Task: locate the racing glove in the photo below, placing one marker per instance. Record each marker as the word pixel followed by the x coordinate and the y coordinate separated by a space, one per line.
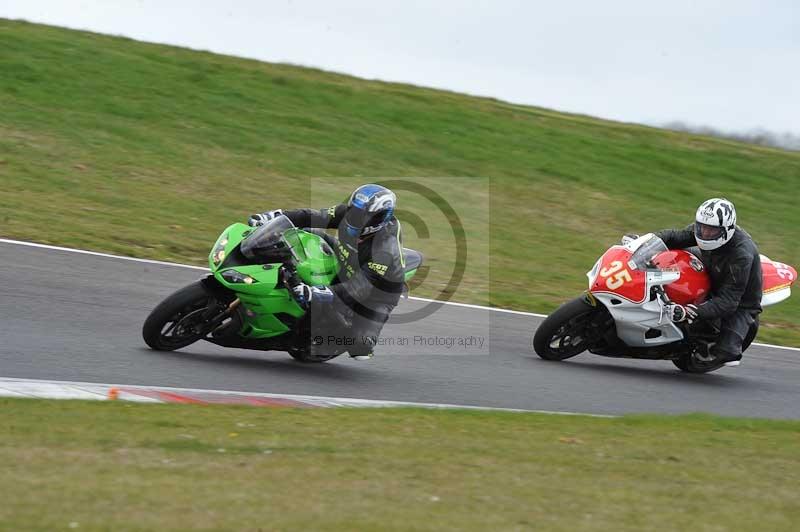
pixel 263 217
pixel 678 313
pixel 629 237
pixel 304 294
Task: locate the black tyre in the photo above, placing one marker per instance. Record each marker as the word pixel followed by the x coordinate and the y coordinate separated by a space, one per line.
pixel 567 331
pixel 688 364
pixel 681 364
pixel 305 356
pixel 178 320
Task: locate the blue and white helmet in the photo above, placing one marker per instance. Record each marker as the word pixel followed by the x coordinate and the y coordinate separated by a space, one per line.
pixel 715 223
pixel 369 209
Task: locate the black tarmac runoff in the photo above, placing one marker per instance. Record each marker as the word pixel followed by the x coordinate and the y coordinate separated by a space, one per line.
pixel 77 317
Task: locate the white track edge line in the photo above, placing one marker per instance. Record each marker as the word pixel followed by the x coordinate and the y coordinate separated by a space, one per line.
pixel 98 254
pixel 353 400
pixel 479 307
pixel 164 263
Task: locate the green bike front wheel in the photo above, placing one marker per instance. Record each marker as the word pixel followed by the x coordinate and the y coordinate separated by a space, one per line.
pixel 179 320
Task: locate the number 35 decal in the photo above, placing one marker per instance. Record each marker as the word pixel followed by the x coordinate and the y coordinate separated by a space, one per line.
pixel 614 277
pixel 783 271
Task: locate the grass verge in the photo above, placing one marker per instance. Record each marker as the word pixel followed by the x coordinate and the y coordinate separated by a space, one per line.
pixel 149 150
pixel 124 466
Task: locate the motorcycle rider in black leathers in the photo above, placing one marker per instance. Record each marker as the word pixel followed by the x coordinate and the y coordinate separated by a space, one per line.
pixel 371 274
pixel 734 265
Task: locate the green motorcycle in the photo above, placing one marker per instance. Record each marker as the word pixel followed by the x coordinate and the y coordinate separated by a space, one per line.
pixel 245 303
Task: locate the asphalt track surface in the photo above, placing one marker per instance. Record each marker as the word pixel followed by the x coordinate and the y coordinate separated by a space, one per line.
pixel 77 317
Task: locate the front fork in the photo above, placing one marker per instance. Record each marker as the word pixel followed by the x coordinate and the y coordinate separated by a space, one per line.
pixel 597 326
pixel 226 303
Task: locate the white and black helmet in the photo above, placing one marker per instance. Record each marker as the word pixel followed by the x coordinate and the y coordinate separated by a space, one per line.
pixel 370 209
pixel 715 223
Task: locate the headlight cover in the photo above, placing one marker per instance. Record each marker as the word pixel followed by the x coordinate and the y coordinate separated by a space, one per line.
pixel 592 274
pixel 218 255
pixel 233 276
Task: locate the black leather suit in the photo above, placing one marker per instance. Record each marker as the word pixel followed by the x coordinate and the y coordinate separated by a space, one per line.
pixel 735 271
pixel 370 280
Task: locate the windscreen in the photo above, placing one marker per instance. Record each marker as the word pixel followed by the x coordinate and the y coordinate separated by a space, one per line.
pixel 642 258
pixel 268 240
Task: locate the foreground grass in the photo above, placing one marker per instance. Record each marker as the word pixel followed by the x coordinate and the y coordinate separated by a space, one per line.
pixel 123 466
pixel 149 150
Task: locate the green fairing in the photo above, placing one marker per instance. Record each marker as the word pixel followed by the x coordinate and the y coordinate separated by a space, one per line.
pixel 261 300
pixel 318 268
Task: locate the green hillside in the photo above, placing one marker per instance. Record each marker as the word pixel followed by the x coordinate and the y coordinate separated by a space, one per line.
pixel 148 150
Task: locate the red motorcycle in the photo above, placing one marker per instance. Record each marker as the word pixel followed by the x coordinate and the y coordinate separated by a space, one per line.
pixel 623 313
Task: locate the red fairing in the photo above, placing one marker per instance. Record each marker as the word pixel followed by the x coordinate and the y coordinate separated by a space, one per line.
pixel 616 277
pixel 694 284
pixel 776 275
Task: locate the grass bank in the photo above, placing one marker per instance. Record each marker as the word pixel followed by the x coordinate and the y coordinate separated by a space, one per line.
pixel 124 466
pixel 121 146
